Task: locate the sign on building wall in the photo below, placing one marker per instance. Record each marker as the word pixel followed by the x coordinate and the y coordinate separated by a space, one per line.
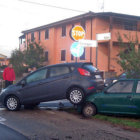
pixel 77 32
pixel 87 43
pixel 103 36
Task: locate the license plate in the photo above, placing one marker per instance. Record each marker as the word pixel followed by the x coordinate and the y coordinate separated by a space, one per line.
pixel 97 76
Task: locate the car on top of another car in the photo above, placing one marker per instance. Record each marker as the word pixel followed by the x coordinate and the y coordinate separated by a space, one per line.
pixel 72 81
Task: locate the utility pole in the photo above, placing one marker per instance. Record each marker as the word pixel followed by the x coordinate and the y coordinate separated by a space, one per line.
pixel 101 5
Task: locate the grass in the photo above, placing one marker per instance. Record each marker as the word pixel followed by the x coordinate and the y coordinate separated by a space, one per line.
pixel 125 121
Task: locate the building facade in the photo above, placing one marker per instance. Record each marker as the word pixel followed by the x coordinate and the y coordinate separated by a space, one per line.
pixel 4 61
pixel 56 40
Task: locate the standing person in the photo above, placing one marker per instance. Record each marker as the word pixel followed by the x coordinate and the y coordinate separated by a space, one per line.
pixel 9 75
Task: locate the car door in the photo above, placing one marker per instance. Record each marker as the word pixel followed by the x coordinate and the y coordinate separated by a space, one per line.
pixel 136 98
pixel 59 79
pixel 118 97
pixel 36 87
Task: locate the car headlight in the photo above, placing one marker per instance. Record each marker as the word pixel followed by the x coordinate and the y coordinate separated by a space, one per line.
pixel 115 81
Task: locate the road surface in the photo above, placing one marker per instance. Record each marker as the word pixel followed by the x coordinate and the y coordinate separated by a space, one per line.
pixel 45 124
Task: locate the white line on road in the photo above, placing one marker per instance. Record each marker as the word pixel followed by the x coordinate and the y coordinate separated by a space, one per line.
pixel 1 109
pixel 2 120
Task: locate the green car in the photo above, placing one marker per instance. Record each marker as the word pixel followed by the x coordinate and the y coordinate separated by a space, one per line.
pixel 121 97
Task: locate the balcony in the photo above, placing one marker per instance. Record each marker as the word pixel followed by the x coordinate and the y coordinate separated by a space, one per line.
pixel 123 32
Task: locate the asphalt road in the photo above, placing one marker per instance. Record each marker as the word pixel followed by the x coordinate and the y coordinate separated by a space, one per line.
pixel 45 124
pixel 7 133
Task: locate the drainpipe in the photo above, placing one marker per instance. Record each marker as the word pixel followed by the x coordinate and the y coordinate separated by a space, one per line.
pixel 110 43
pixel 91 39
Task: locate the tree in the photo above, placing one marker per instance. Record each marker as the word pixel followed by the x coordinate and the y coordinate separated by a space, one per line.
pixel 129 56
pixel 34 55
pixel 17 59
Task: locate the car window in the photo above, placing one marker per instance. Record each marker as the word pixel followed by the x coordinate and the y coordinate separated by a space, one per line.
pixel 57 71
pixel 121 87
pixel 39 75
pixel 90 68
pixel 138 87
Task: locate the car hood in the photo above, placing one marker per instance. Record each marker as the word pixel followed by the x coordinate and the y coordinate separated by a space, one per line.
pixel 11 88
pixel 92 96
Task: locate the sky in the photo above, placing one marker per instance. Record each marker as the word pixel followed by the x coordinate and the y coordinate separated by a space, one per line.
pixel 19 15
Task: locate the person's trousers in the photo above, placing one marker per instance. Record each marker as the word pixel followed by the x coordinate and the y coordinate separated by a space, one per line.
pixel 8 83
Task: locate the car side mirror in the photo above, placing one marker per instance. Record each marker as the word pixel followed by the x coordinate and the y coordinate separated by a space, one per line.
pixel 23 83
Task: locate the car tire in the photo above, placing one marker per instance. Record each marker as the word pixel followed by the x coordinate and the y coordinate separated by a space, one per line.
pixel 89 110
pixel 76 96
pixel 12 103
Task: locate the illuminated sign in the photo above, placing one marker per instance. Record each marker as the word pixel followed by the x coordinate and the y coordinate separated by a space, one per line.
pixel 76 50
pixel 77 33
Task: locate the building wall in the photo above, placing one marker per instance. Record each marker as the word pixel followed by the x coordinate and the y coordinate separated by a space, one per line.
pixel 4 62
pixel 107 53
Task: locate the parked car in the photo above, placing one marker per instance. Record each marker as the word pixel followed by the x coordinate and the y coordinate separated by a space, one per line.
pixel 69 80
pixel 109 81
pixel 122 97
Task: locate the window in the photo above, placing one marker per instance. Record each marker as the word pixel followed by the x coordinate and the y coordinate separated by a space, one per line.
pixel 57 71
pixel 121 87
pixel 32 36
pixel 39 75
pixel 126 24
pixel 118 23
pixel 63 55
pixel 83 56
pixel 46 56
pixel 47 34
pixel 39 34
pixel 83 24
pixel 72 57
pixel 138 87
pixel 130 25
pixel 64 30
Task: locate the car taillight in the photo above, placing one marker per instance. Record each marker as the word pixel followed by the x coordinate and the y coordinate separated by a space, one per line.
pixel 83 72
pixel 91 87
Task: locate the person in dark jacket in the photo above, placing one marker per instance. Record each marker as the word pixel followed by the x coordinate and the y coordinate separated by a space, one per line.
pixel 9 75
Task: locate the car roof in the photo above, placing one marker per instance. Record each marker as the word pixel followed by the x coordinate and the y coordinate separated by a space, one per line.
pixel 78 64
pixel 128 79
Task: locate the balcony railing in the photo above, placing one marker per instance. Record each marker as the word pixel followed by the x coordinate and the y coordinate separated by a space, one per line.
pixel 132 34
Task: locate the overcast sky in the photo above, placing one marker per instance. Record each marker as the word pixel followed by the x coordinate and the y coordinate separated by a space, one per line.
pixel 18 15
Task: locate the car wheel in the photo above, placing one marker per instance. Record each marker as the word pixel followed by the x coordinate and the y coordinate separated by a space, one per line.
pixel 12 103
pixel 76 96
pixel 89 110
